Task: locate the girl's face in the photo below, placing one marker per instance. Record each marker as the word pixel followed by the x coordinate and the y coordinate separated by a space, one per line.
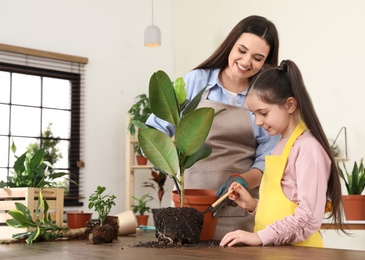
pixel 273 118
pixel 247 56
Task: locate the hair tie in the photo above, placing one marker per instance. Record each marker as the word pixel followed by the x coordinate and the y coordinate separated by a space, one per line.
pixel 283 66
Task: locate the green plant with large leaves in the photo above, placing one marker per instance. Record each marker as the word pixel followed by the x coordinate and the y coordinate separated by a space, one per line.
pixel 31 170
pixel 42 228
pixel 354 180
pixel 192 124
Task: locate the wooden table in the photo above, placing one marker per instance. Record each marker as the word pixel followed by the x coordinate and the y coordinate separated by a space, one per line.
pixel 122 249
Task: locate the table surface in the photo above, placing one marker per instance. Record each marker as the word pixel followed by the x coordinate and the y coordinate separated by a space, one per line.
pixel 123 248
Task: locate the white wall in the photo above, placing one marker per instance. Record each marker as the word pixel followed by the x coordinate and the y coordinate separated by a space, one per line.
pixel 111 34
pixel 325 38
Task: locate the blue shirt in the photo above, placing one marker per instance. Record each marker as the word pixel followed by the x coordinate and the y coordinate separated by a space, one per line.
pixel 195 81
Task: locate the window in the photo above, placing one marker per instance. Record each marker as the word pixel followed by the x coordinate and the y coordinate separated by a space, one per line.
pixel 36 94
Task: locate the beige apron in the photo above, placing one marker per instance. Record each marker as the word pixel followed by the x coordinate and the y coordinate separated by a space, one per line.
pixel 273 204
pixel 234 146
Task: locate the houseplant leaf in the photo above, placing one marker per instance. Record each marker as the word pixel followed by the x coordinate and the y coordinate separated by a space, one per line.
pixel 193 130
pixel 160 150
pixel 163 99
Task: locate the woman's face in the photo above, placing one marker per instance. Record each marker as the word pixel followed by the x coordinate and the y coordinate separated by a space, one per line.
pixel 247 56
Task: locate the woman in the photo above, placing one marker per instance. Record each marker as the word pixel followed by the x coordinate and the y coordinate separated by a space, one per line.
pixel 238 145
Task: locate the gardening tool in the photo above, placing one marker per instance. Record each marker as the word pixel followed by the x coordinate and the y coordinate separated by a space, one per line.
pixel 218 201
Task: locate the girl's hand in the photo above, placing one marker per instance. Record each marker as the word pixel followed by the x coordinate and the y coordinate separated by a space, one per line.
pixel 241 196
pixel 240 237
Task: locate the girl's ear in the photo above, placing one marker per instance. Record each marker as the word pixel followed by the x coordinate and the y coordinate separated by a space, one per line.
pixel 291 104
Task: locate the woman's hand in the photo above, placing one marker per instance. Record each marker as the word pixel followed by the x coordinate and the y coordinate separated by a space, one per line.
pixel 240 237
pixel 241 196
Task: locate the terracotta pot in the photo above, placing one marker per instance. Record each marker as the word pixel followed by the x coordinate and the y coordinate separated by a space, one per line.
pixel 78 219
pixel 200 200
pixel 141 160
pixel 354 207
pixel 142 220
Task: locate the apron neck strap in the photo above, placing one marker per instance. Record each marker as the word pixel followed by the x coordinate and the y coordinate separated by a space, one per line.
pixel 298 131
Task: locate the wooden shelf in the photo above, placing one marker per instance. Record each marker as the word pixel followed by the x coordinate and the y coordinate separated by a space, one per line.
pixel 131 167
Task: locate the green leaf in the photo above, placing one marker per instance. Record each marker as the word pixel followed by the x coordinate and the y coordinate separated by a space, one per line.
pixel 163 99
pixel 193 130
pixel 192 105
pixel 21 218
pixel 33 236
pixel 37 159
pixel 19 164
pixel 202 153
pixel 180 91
pixel 160 150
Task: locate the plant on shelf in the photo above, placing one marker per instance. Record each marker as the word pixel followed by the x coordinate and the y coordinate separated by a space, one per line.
pixel 354 180
pixel 140 111
pixel 141 160
pixel 141 208
pixel 168 102
pixel 159 179
pixel 354 202
pixel 41 228
pixel 102 203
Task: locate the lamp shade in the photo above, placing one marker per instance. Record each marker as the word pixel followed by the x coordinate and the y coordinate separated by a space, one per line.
pixel 152 36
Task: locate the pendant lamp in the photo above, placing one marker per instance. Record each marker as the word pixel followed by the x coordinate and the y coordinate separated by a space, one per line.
pixel 152 35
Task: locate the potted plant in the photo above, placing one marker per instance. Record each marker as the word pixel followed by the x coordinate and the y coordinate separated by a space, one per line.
pixel 139 111
pixel 173 156
pixel 141 208
pixel 354 202
pixel 159 179
pixel 102 203
pixel 141 160
pixel 31 174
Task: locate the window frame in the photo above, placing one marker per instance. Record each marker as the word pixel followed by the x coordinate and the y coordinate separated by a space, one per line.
pixel 55 65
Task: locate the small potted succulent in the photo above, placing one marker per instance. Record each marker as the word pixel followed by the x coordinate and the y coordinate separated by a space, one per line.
pixel 354 202
pixel 141 208
pixel 102 203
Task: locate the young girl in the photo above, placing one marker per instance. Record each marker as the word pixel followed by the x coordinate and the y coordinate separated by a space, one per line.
pixel 300 175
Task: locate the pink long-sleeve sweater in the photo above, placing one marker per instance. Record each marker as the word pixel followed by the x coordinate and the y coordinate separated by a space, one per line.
pixel 305 183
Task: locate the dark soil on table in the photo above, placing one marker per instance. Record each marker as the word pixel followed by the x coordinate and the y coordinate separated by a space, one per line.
pixel 156 244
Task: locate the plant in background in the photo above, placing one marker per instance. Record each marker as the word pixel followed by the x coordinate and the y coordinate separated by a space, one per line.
pixel 42 227
pixel 140 111
pixel 31 170
pixel 142 207
pixel 168 102
pixel 101 203
pixel 159 179
pixel 354 180
pixel 49 144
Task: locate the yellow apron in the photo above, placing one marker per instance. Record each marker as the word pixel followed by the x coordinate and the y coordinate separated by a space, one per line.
pixel 273 204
